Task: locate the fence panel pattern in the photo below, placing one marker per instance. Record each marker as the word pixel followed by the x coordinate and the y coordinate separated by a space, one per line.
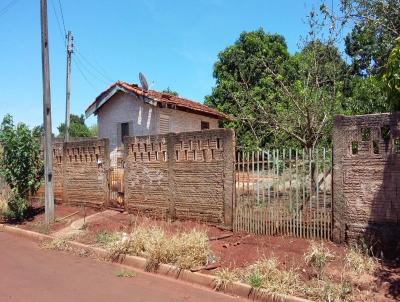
pixel 284 192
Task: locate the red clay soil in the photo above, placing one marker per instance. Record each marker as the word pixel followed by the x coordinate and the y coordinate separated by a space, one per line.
pixel 240 250
pixel 35 221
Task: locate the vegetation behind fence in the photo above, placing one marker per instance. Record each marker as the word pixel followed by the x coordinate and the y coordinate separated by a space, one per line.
pixel 284 192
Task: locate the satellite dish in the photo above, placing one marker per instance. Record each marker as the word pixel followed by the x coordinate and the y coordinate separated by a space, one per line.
pixel 143 81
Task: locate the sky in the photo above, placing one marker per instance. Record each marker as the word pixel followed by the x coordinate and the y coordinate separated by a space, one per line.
pixel 173 42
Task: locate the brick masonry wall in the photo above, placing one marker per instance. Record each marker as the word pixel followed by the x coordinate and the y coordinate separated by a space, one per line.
pixel 366 179
pixel 79 172
pixel 187 175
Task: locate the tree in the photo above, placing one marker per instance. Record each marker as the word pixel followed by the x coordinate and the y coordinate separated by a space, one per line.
pixel 312 95
pixel 391 76
pixel 376 27
pixel 20 165
pixel 243 80
pixel 77 127
pixel 170 91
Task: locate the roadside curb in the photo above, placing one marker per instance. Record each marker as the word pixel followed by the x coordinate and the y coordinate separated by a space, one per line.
pixel 134 262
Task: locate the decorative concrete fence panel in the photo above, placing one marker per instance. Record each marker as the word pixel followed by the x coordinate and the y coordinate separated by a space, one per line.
pixel 366 179
pixel 188 175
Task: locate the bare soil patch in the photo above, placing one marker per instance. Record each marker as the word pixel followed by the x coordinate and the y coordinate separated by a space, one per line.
pixel 35 220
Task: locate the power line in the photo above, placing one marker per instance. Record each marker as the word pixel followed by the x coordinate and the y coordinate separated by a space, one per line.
pixel 89 71
pixel 7 7
pixel 83 75
pixel 97 69
pixel 63 37
pixel 62 16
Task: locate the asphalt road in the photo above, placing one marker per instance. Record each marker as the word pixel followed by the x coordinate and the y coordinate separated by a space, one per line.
pixel 30 273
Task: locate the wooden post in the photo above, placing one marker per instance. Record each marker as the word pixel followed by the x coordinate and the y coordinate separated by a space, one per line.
pixel 48 155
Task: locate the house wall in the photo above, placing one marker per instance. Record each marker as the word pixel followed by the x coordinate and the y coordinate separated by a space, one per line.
pixel 366 183
pixel 189 175
pixel 143 118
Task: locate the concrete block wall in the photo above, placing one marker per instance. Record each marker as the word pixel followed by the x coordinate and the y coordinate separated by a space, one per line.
pixel 84 167
pixel 187 175
pixel 366 180
pixel 80 172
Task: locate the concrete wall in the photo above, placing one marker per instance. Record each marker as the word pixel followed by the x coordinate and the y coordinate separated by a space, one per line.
pixel 143 118
pixel 186 175
pixel 80 172
pixel 366 179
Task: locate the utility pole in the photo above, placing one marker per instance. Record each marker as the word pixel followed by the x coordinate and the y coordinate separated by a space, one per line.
pixel 48 154
pixel 68 86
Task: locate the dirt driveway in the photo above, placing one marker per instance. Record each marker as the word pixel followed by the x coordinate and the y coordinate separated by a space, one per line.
pixel 29 273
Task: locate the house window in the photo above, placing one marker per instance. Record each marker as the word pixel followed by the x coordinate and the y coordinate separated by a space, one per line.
pixel 124 130
pixel 205 125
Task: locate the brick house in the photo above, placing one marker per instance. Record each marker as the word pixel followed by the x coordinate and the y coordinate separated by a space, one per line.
pixel 128 110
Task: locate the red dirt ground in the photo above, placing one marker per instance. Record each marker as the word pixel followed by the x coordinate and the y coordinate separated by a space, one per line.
pixel 240 249
pixel 35 221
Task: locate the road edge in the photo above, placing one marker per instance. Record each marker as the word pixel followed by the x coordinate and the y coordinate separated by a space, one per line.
pixel 135 262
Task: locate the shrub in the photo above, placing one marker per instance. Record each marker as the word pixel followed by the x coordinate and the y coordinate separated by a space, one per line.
pixel 20 165
pixel 16 208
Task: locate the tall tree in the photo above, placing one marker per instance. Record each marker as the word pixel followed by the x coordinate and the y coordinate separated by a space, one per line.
pixel 376 27
pixel 77 128
pixel 391 76
pixel 243 81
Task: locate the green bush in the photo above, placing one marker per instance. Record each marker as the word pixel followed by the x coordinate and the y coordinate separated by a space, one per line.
pixel 16 208
pixel 20 165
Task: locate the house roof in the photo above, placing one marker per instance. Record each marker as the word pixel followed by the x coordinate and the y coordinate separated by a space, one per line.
pixel 155 98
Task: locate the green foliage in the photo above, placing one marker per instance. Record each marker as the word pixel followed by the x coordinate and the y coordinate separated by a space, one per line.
pixel 16 208
pixel 20 164
pixel 243 80
pixel 170 91
pixel 255 280
pixel 77 127
pixel 376 26
pixel 391 76
pixel 365 96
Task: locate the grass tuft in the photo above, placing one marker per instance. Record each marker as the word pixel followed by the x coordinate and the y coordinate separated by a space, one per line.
pixel 186 250
pixel 358 261
pixel 317 256
pixel 125 274
pixel 224 277
pixel 273 280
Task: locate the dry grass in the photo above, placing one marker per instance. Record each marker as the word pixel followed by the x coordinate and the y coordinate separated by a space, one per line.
pixel 266 274
pixel 359 262
pixel 185 250
pixel 58 243
pixel 224 277
pixel 327 291
pixel 316 256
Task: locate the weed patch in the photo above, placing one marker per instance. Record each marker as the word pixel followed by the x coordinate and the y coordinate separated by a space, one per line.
pixel 125 274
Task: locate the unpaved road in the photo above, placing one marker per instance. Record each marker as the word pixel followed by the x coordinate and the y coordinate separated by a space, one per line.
pixel 29 273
